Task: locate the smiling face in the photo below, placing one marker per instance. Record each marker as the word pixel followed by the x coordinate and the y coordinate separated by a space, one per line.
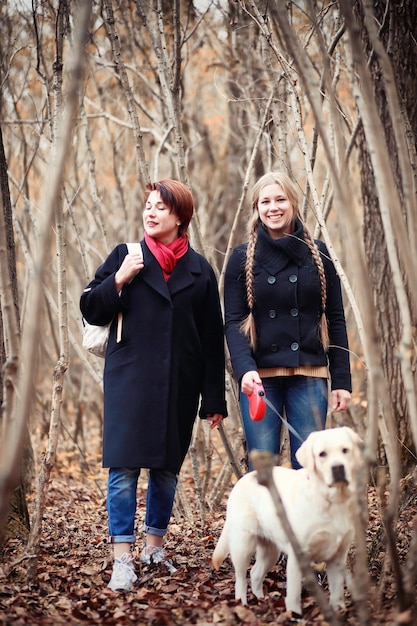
pixel 159 221
pixel 276 211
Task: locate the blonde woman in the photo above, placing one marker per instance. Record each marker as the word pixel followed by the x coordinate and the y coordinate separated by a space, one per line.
pixel 284 320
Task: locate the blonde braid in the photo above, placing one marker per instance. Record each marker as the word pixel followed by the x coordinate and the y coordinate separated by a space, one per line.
pixel 324 331
pixel 247 326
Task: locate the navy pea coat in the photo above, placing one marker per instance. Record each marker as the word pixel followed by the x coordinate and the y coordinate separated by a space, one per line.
pixel 287 309
pixel 169 361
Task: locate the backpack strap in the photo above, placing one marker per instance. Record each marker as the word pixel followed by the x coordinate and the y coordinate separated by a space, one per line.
pixel 132 248
pixel 135 247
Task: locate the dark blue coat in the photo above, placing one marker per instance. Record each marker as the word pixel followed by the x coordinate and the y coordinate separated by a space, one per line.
pixel 171 353
pixel 287 309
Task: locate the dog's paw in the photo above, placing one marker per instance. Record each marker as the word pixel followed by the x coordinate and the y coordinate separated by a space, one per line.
pixel 242 599
pixel 258 592
pixel 338 606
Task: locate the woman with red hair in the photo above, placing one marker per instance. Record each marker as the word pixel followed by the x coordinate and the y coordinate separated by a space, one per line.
pixel 164 364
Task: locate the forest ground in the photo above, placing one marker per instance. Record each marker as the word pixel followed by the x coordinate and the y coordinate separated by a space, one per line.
pixel 75 566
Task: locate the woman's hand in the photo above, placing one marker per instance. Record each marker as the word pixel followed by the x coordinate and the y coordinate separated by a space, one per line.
pixel 132 264
pixel 248 382
pixel 215 419
pixel 340 400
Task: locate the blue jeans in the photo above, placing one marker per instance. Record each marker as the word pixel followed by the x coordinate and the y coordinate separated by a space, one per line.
pixel 304 400
pixel 121 502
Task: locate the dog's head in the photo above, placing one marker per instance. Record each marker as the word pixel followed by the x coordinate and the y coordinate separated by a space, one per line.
pixel 332 455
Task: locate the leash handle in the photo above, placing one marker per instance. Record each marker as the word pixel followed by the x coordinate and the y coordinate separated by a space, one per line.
pixel 257 406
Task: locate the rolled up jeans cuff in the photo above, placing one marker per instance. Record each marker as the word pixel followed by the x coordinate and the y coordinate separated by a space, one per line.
pixel 122 539
pixel 159 532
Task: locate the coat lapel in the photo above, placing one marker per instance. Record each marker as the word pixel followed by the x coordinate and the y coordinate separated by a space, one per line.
pixel 184 273
pixel 153 275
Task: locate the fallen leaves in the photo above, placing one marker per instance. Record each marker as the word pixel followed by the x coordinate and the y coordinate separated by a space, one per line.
pixel 75 566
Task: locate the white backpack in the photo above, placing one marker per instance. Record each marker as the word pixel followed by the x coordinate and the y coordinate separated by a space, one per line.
pixel 95 338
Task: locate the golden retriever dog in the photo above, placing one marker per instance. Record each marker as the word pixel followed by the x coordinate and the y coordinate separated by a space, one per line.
pixel 318 503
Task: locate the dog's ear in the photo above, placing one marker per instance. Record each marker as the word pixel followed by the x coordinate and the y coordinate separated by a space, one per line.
pixel 354 436
pixel 357 444
pixel 304 454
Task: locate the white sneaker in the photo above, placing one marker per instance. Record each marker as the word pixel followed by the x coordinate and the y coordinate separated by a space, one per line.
pixel 123 575
pixel 156 554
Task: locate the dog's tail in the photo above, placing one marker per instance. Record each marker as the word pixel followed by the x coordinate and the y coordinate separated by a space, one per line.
pixel 221 550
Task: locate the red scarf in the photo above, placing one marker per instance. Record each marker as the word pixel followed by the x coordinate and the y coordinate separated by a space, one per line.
pixel 167 256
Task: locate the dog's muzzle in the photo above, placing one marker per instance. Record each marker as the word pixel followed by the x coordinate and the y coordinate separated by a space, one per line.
pixel 339 474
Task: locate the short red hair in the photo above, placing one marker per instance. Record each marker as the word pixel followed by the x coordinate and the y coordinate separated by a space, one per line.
pixel 177 197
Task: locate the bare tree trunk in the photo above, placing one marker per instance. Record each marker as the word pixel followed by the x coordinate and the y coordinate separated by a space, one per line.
pixel 60 147
pixel 18 516
pixel 392 62
pixel 397 32
pixel 121 72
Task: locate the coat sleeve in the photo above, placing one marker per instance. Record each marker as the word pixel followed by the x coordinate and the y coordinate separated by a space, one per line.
pixel 236 309
pixel 213 393
pixel 338 354
pixel 100 301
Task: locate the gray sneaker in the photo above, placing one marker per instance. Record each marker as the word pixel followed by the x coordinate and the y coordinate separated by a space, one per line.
pixel 154 555
pixel 123 575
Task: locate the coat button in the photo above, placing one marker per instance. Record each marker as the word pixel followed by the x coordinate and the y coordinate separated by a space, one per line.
pixel 274 347
pixel 272 314
pixel 293 278
pixel 271 280
pixel 294 346
pixel 294 312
